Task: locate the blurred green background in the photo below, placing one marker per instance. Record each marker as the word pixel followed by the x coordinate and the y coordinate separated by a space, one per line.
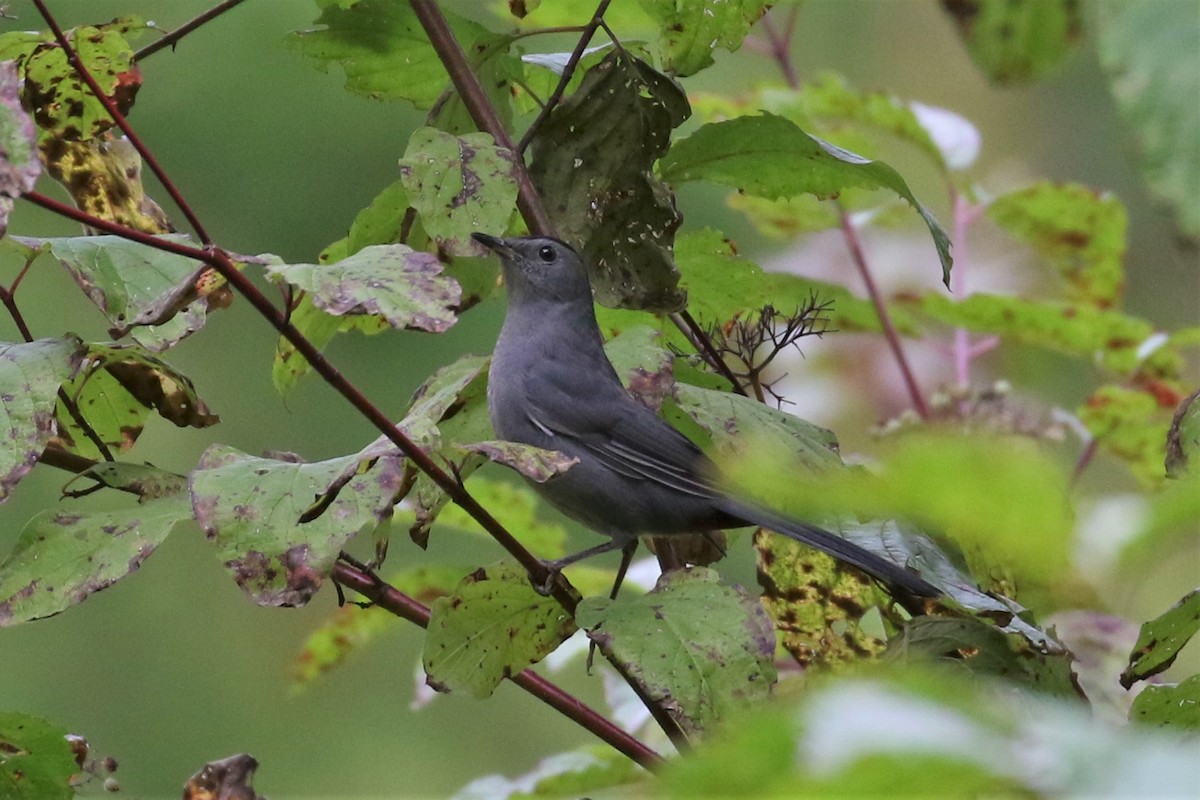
pixel 173 667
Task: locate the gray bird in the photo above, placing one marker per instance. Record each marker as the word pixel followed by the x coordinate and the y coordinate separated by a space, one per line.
pixel 551 385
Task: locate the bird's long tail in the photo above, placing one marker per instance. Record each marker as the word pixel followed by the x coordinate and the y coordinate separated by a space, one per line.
pixel 878 567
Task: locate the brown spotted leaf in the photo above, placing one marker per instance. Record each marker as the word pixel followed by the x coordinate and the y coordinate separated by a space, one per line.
pixel 1160 639
pixel 63 557
pixel 490 628
pixel 459 185
pixel 116 390
pixel 252 508
pixel 532 462
pixel 405 287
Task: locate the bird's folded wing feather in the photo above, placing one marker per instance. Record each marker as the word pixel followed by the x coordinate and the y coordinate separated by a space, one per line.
pixel 630 439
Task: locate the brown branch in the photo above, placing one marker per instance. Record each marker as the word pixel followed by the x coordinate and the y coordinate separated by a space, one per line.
pixel 172 38
pixel 389 598
pixel 122 123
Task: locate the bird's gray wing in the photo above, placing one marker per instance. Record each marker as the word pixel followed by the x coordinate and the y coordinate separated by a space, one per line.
pixel 630 439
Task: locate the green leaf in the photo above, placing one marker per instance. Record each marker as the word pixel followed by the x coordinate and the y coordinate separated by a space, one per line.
pixel 721 285
pixel 127 281
pixel 1175 707
pixel 532 462
pixel 691 29
pixel 61 557
pixel 736 423
pixel 380 222
pixel 1151 52
pixel 1018 42
pixel 699 648
pixel 516 506
pixel 1080 233
pixel 931 733
pixel 492 627
pixel 146 481
pixel 402 286
pixel 770 156
pixel 818 606
pixel 459 185
pixel 115 391
pixel 1077 329
pixel 1161 639
pixel 383 49
pixel 38 761
pixel 252 508
pixel 1183 438
pixel 30 376
pixel 592 163
pixel 983 650
pixel 19 163
pixel 1129 423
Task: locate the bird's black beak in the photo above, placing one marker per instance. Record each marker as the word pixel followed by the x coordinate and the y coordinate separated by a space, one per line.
pixel 493 243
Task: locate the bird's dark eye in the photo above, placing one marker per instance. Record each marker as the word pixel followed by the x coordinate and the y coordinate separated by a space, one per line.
pixel 546 253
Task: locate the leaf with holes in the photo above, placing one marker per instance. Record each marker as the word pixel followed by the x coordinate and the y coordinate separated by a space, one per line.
pixel 1161 639
pixel 592 161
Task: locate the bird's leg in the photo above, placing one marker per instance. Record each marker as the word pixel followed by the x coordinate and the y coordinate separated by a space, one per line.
pixel 626 558
pixel 556 567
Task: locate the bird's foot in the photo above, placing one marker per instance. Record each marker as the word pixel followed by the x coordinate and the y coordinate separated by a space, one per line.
pixel 546 588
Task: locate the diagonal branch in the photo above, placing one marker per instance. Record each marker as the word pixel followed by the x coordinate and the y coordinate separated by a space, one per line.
pixel 220 261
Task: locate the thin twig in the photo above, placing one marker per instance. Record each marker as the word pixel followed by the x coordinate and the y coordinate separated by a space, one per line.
pixel 221 262
pixel 857 254
pixel 585 38
pixel 172 38
pixel 122 123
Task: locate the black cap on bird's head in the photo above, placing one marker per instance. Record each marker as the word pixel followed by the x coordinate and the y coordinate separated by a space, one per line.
pixel 539 267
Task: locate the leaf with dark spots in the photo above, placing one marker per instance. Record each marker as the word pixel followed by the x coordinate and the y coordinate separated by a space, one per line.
pixel 592 163
pixel 62 104
pixel 699 648
pixel 404 287
pixel 252 509
pixel 37 759
pixel 690 31
pixel 493 626
pixel 27 421
pixel 61 558
pixel 459 185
